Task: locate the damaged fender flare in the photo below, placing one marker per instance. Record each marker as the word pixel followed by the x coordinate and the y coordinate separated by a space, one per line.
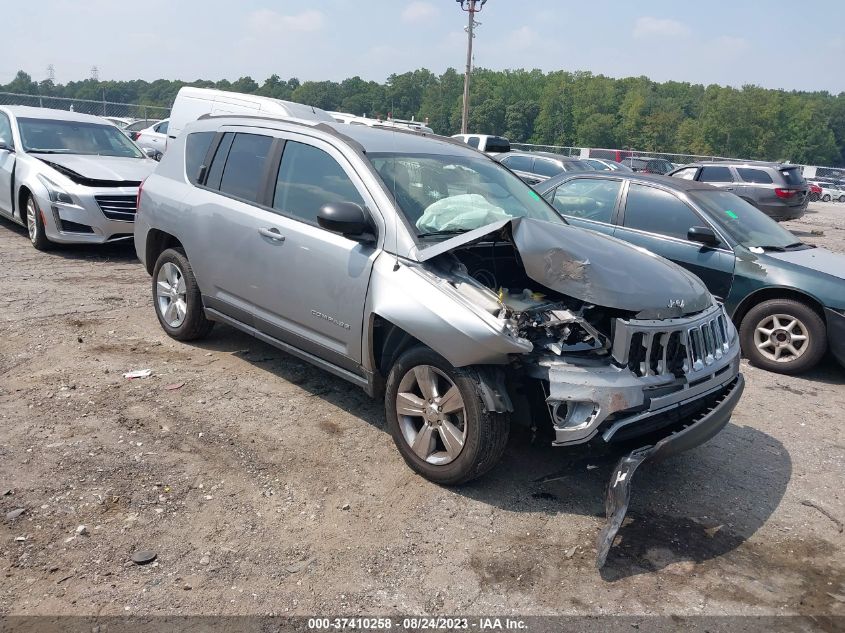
pixel 493 391
pixel 619 487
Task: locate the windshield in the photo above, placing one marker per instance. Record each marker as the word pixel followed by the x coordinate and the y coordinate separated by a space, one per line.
pixel 74 137
pixel 744 222
pixel 440 193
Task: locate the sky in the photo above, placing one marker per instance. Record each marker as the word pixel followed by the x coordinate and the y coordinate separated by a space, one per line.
pixel 771 43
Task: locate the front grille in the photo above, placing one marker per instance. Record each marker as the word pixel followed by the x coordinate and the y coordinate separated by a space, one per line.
pixel 672 347
pixel 118 207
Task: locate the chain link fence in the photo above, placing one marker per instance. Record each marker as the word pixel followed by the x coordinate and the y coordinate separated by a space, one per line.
pixel 676 159
pixel 131 111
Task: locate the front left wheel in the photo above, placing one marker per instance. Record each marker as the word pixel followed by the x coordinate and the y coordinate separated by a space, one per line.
pixel 177 298
pixel 438 420
pixel 35 226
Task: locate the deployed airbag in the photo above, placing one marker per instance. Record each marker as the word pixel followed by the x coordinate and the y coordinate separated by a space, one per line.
pixel 459 212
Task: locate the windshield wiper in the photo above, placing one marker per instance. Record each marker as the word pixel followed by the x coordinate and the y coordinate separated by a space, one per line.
pixel 444 232
pixel 788 247
pixel 48 151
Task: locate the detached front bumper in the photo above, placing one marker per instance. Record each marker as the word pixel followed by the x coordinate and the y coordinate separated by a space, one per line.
pixel 664 372
pixel 698 430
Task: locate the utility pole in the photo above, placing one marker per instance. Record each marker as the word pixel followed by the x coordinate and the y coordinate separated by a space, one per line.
pixel 471 7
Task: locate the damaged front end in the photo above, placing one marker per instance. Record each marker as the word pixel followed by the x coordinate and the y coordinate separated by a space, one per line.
pixel 622 344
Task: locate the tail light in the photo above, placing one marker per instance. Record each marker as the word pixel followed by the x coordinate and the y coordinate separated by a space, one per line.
pixel 138 199
pixel 785 193
pixel 135 135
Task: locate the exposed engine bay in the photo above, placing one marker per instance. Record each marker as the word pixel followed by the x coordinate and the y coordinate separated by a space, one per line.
pixel 491 275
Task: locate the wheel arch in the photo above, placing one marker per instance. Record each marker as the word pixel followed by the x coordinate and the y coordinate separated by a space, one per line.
pixel 388 342
pixel 766 294
pixel 157 242
pixel 24 192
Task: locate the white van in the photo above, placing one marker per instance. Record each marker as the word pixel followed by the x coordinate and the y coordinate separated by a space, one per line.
pixel 192 103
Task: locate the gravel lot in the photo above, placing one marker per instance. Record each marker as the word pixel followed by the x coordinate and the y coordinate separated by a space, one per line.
pixel 266 486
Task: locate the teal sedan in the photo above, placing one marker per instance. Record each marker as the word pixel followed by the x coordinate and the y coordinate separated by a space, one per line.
pixel 787 298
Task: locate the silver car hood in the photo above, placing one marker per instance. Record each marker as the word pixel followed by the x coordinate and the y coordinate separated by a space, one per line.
pixel 593 268
pixel 84 169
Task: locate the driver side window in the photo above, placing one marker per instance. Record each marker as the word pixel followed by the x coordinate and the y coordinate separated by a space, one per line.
pixel 588 198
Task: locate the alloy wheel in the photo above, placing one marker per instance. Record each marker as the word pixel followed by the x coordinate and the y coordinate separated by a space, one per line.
pixel 171 294
pixel 781 338
pixel 31 220
pixel 431 414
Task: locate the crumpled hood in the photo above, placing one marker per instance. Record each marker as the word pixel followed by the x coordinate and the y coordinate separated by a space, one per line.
pixel 113 169
pixel 594 268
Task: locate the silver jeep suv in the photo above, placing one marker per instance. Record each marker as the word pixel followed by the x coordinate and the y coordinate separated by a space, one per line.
pixel 426 273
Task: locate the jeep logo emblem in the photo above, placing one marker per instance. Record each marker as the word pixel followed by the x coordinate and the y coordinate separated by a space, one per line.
pixel 676 303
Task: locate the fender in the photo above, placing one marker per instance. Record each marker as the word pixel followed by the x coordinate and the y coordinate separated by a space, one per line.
pixel 415 301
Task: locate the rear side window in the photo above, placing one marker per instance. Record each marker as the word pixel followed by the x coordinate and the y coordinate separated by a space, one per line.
pixel 473 141
pixel 519 163
pixel 657 211
pixel 792 176
pixel 497 144
pixel 245 166
pixel 588 198
pixel 754 175
pixel 715 174
pixel 546 167
pixel 309 178
pixel 686 174
pixel 219 161
pixel 161 128
pixel 196 147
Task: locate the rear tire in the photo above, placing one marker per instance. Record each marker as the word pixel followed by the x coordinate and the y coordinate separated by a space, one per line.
pixel 177 298
pixel 784 336
pixel 842 198
pixel 35 225
pixel 424 440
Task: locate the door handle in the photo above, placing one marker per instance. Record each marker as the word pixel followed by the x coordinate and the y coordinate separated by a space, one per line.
pixel 729 188
pixel 273 234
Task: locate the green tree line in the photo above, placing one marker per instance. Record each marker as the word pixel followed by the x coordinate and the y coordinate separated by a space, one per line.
pixel 556 108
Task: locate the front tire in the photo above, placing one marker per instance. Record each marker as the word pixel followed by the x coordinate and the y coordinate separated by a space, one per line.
pixel 842 198
pixel 438 421
pixel 177 298
pixel 826 197
pixel 35 226
pixel 784 336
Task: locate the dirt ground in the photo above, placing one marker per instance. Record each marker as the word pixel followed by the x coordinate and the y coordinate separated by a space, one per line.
pixel 265 486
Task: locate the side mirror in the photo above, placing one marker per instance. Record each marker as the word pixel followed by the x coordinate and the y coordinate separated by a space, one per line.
pixel 153 153
pixel 4 146
pixel 703 235
pixel 346 218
